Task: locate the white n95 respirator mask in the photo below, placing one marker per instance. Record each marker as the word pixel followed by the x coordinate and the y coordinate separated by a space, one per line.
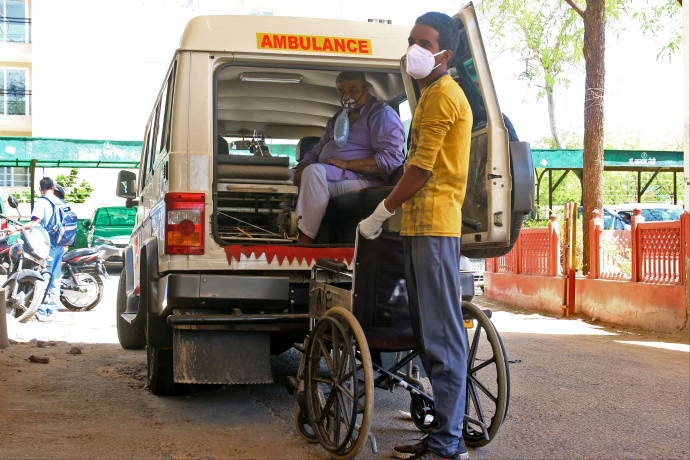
pixel 420 62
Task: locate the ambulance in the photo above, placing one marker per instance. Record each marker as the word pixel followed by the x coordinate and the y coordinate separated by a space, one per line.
pixel 214 281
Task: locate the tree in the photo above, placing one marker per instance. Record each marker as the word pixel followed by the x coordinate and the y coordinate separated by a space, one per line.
pixel 593 144
pixel 551 42
pixel 663 22
pixel 74 193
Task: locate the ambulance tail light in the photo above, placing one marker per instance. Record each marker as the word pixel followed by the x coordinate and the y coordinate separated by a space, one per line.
pixel 184 223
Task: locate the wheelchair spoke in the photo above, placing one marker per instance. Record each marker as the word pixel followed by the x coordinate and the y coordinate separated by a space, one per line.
pixel 477 384
pixel 325 354
pixel 485 363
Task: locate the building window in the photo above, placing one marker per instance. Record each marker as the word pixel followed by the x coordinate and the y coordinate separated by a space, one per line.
pixel 14 97
pixel 15 23
pixel 14 177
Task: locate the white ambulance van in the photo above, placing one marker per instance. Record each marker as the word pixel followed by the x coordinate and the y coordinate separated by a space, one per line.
pixel 214 281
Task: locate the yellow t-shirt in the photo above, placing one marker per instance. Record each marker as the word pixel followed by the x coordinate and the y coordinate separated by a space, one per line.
pixel 440 142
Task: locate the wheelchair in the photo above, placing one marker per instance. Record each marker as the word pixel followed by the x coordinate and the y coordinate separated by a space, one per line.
pixel 354 317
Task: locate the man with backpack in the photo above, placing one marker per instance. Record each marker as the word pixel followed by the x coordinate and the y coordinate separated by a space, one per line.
pixel 47 213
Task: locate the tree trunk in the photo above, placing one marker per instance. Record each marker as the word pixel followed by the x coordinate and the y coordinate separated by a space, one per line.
pixel 593 154
pixel 552 116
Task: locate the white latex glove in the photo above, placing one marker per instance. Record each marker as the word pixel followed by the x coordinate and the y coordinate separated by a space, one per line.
pixel 370 228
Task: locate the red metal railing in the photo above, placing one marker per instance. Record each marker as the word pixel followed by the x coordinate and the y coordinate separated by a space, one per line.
pixel 660 249
pixel 536 252
pixel 649 252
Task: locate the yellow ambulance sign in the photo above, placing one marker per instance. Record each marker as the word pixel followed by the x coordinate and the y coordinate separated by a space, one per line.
pixel 287 42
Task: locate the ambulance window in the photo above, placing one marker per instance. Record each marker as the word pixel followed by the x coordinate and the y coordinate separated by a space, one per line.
pixel 406 117
pixel 164 118
pixel 146 156
pixel 163 124
pixel 465 74
pixel 404 111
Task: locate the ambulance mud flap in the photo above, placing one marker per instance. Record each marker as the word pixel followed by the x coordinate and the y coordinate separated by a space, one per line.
pixel 221 356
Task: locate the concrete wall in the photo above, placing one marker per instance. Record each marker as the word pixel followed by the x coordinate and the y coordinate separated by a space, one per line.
pixel 653 307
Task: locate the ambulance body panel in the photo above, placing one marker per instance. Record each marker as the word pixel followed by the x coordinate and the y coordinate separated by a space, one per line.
pixel 213 276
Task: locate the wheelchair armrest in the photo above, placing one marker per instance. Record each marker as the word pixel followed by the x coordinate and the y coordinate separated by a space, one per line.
pixel 331 265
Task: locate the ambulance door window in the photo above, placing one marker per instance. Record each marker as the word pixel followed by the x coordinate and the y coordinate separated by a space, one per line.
pixel 465 74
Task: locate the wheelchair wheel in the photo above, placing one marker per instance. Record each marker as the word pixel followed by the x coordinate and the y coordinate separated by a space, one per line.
pixel 487 379
pixel 422 413
pixel 340 384
pixel 304 427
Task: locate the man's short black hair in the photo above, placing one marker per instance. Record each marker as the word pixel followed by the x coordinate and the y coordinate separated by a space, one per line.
pixel 352 75
pixel 46 184
pixel 447 28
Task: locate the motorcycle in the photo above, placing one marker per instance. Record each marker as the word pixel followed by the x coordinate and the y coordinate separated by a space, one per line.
pixel 81 288
pixel 27 272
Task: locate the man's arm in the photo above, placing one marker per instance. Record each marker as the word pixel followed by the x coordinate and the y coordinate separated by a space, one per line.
pixel 365 166
pixel 387 138
pixel 411 181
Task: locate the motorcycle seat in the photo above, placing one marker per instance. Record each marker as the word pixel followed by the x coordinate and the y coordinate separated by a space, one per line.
pixel 78 253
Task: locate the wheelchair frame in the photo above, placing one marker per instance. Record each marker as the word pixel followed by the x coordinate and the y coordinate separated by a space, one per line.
pixel 334 386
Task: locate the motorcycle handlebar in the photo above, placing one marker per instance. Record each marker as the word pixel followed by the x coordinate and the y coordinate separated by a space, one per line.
pixel 9 219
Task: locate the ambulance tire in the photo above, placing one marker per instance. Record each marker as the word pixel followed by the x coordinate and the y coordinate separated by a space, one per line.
pixel 160 372
pixel 132 336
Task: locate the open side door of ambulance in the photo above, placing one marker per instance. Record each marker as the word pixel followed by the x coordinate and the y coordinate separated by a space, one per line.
pixel 500 182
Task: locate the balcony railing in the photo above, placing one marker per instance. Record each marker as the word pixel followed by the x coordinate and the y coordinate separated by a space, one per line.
pixel 15 102
pixel 15 30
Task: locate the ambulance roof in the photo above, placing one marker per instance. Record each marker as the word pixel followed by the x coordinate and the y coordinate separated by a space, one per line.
pixel 291 35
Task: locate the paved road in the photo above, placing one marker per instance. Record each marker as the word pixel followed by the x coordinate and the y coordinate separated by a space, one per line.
pixel 579 390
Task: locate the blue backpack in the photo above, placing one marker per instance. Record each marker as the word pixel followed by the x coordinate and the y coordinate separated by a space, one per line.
pixel 62 226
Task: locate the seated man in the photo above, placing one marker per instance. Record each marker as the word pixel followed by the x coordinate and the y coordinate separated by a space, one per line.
pixel 374 149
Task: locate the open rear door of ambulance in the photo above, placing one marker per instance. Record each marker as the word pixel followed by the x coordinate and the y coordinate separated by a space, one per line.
pixel 494 208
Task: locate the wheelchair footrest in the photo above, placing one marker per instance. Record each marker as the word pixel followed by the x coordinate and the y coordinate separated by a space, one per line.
pixel 331 265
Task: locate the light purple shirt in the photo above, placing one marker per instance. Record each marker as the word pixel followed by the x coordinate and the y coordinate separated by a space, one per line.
pixel 377 132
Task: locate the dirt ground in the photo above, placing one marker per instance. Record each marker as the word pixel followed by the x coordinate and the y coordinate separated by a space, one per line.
pixel 89 400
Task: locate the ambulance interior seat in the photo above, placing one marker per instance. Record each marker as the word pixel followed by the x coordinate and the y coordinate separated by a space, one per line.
pixel 305 145
pixel 223 148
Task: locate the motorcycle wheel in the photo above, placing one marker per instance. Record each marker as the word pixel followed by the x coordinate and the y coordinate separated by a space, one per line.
pixel 35 291
pixel 93 287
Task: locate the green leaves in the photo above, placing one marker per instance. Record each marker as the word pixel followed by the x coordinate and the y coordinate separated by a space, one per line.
pixel 662 21
pixel 74 192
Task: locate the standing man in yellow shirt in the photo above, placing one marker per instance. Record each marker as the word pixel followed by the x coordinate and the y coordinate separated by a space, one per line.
pixel 431 193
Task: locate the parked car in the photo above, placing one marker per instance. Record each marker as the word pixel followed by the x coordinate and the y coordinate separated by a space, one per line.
pixel 612 220
pixel 110 228
pixel 476 267
pixel 651 212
